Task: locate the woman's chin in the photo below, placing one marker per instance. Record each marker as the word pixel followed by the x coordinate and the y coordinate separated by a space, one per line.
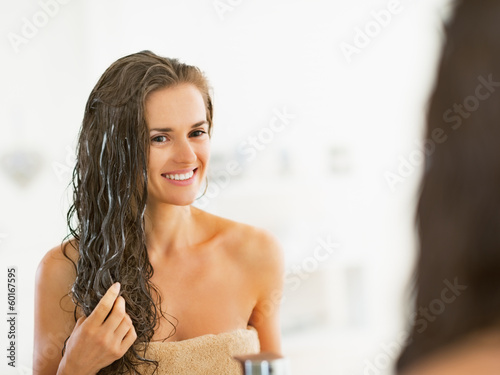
pixel 178 201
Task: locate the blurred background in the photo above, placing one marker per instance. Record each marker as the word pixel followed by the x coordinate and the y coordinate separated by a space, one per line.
pixel 319 110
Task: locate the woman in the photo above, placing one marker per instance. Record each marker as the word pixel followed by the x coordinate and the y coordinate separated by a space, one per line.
pixel 457 314
pixel 148 281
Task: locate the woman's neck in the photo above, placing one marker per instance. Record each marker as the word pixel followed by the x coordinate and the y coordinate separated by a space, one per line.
pixel 170 228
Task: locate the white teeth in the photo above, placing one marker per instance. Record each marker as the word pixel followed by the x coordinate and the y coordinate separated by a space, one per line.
pixel 180 177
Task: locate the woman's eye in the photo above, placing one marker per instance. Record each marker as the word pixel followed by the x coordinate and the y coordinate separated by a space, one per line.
pixel 159 139
pixel 197 133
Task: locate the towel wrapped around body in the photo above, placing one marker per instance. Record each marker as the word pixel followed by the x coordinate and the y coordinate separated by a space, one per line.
pixel 204 355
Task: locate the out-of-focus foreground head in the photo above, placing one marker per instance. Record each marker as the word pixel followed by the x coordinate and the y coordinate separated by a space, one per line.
pixel 457 278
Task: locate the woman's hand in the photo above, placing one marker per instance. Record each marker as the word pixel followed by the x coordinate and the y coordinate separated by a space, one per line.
pixel 99 339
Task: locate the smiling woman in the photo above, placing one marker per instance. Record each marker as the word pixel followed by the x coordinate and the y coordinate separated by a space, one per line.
pixel 180 147
pixel 149 282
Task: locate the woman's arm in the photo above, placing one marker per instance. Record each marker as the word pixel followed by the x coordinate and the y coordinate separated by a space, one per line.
pixel 269 276
pixel 94 342
pixel 54 320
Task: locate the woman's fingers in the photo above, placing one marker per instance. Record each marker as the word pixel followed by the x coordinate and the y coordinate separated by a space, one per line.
pixel 129 338
pixel 123 327
pixel 116 316
pixel 79 321
pixel 101 311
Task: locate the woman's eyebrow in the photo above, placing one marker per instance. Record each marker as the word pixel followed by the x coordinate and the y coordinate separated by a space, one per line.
pixel 166 130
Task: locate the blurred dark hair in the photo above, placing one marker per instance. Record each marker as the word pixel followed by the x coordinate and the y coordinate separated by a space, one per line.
pixel 110 192
pixel 458 214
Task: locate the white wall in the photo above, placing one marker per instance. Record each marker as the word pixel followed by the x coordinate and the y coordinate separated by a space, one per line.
pixel 323 178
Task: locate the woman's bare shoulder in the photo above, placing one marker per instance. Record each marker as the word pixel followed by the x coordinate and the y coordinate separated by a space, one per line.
pixel 58 266
pixel 255 245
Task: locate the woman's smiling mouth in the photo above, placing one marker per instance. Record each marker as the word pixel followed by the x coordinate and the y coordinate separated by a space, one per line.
pixel 181 177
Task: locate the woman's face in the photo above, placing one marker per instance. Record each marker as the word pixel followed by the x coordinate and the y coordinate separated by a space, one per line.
pixel 179 144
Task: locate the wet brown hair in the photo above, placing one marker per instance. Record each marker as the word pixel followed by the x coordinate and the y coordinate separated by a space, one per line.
pixel 458 214
pixel 110 192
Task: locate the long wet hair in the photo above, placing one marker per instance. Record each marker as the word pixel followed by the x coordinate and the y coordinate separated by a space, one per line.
pixel 458 214
pixel 110 185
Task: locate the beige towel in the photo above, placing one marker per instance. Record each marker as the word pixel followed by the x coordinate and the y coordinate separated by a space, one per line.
pixel 204 355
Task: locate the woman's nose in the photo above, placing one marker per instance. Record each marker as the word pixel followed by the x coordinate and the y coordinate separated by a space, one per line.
pixel 184 152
